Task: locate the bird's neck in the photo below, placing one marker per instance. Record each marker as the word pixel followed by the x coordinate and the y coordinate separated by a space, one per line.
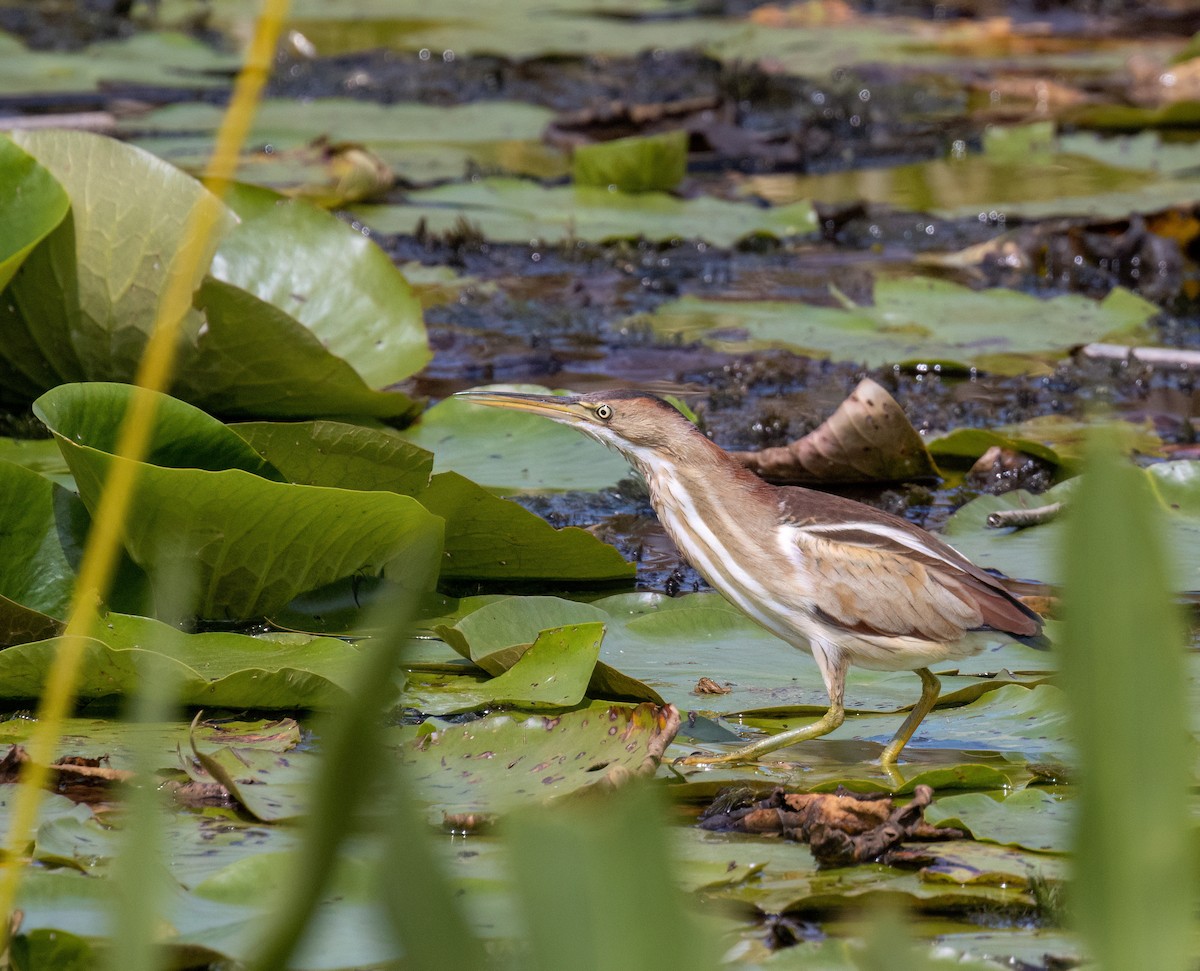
pixel 700 492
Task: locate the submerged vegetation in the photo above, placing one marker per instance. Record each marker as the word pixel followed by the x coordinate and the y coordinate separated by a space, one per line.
pixel 347 704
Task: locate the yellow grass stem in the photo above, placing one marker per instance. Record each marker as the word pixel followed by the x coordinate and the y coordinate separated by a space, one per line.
pixel 154 373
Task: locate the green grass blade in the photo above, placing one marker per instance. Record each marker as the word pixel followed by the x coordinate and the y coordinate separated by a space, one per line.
pixel 595 884
pixel 1123 668
pixel 353 751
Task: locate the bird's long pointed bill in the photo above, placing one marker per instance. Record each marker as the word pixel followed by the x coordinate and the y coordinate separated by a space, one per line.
pixel 546 405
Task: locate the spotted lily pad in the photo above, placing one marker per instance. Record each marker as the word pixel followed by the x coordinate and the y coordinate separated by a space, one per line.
pixel 499 762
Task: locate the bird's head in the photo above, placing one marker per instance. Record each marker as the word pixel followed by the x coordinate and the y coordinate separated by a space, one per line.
pixel 640 426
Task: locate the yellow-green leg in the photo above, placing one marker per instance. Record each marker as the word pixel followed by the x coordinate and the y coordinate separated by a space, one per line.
pixel 750 753
pixel 930 687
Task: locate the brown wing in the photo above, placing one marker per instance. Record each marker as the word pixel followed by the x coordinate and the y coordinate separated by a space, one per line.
pixel 882 575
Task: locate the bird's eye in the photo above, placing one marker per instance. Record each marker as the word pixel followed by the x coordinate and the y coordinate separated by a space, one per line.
pixel 603 412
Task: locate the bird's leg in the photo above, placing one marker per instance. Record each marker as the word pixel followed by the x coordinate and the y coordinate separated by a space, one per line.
pixel 930 686
pixel 750 753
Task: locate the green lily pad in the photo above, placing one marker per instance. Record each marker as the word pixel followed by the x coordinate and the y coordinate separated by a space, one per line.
pixel 500 762
pixel 42 526
pixel 513 210
pixel 497 635
pixel 1034 553
pixel 89 294
pixel 254 359
pixel 249 545
pixel 1034 819
pixel 554 672
pixel 912 319
pixel 492 538
pixel 510 451
pixel 33 203
pixel 147 57
pixel 420 143
pixel 214 670
pixel 1022 172
pixel 637 164
pixel 330 453
pixel 337 283
pixel 485 537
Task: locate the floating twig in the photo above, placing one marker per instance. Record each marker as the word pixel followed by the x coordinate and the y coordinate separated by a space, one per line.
pixel 1021 518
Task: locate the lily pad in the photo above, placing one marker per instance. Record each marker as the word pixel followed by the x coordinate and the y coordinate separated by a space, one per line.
pixel 510 451
pixel 485 537
pixel 513 210
pixel 33 203
pixel 249 545
pixel 491 538
pixel 89 294
pixel 912 319
pixel 331 453
pixel 500 762
pixel 218 669
pixel 42 527
pixel 1035 819
pixel 337 283
pixel 554 672
pixel 254 359
pixel 1034 553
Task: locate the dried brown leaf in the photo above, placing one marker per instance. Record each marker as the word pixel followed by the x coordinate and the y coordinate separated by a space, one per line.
pixel 867 439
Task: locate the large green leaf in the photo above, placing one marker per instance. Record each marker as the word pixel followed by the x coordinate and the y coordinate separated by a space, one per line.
pixel 32 203
pixel 491 538
pixel 510 451
pixel 254 359
pixel 554 672
pixel 914 319
pixel 336 282
pixel 330 453
pixel 513 210
pixel 486 537
pixel 90 292
pixel 248 545
pixel 42 527
pixel 215 670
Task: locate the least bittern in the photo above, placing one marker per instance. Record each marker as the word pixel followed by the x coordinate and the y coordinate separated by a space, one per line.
pixel 850 583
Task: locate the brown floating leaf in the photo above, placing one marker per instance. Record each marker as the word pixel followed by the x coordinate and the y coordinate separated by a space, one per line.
pixel 867 439
pixel 841 828
pixel 80 779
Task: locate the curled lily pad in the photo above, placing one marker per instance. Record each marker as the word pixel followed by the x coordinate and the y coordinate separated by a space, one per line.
pixel 867 439
pixel 486 537
pixel 33 203
pixel 553 672
pixel 248 545
pixel 334 281
pixel 89 294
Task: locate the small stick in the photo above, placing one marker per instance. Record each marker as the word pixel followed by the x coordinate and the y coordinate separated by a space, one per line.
pixel 1173 358
pixel 1020 518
